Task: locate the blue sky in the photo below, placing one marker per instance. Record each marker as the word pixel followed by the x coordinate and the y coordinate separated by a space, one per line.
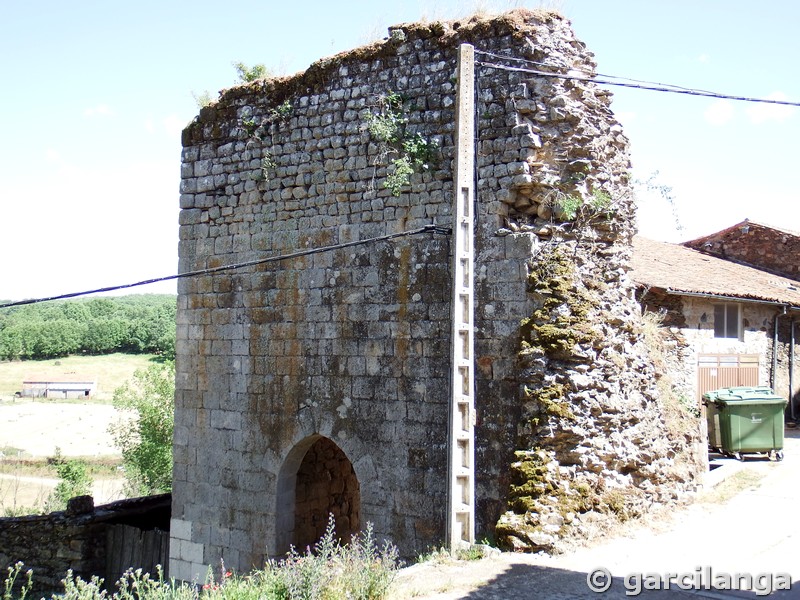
pixel 95 94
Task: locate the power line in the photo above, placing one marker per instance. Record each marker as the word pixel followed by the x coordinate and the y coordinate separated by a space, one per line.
pixel 631 83
pixel 587 72
pixel 435 229
pixel 600 79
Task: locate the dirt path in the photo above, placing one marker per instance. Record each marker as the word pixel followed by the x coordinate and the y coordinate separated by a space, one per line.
pixel 754 532
pixel 36 429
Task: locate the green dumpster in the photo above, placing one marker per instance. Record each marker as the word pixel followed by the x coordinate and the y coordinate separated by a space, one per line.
pixel 750 421
pixel 712 420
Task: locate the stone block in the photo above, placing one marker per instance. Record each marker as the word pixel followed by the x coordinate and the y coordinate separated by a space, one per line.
pixel 180 530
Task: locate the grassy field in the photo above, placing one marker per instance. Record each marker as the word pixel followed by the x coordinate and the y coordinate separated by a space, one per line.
pixel 110 370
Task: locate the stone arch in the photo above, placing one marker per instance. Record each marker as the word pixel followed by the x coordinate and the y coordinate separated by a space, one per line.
pixel 316 479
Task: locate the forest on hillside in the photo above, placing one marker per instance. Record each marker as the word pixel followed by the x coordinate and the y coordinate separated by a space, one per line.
pixel 134 324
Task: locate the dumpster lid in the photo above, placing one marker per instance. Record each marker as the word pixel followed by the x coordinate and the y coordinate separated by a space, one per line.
pixel 750 398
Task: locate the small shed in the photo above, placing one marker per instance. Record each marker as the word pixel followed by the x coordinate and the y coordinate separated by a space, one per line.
pixel 61 387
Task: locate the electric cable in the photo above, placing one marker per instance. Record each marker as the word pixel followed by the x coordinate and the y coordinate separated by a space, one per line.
pixel 435 229
pixel 635 84
pixel 587 72
pixel 599 79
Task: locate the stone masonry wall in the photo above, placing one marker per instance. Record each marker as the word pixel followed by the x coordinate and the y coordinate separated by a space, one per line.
pixel 75 539
pixel 352 344
pixel 757 245
pixel 50 545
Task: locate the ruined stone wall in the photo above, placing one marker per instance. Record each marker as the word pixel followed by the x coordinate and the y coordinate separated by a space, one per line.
pixel 352 344
pixel 50 545
pixel 75 540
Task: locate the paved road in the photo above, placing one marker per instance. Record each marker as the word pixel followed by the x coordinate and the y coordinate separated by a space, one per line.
pixel 755 532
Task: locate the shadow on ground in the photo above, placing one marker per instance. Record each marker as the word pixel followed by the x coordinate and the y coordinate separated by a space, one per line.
pixel 523 581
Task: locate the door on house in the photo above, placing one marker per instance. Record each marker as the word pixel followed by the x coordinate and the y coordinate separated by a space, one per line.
pixel 717 371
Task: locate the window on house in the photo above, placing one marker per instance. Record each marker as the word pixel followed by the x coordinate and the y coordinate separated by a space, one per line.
pixel 727 320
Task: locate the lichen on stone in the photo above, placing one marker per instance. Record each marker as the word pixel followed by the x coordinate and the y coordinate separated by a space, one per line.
pixel 562 320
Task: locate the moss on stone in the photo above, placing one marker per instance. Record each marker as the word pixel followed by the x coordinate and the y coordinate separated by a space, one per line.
pixel 551 400
pixel 542 504
pixel 562 321
pixel 530 479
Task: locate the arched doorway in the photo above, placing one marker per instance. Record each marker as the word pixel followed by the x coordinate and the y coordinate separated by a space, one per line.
pixel 317 479
pixel 326 484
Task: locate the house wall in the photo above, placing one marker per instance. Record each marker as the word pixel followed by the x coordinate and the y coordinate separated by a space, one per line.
pixel 691 319
pixel 351 346
pixel 756 339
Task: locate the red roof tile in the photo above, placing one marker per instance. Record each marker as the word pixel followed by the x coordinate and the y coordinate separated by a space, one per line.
pixel 679 269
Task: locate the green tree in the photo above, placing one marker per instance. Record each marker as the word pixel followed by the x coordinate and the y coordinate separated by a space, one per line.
pixel 136 324
pixel 145 439
pixel 75 481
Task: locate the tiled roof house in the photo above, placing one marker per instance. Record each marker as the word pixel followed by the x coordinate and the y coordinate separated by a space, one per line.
pixel 733 324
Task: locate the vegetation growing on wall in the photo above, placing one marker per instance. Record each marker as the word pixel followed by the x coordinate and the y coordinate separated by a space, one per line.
pixel 536 489
pixel 263 131
pixel 571 207
pixel 246 73
pixel 361 569
pixel 561 322
pixel 411 152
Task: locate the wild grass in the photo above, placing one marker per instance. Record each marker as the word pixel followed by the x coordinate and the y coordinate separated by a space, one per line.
pixel 111 371
pixel 359 570
pixel 730 487
pixel 437 11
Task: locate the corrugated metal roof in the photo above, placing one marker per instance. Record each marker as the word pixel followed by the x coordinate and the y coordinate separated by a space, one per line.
pixel 59 379
pixel 679 269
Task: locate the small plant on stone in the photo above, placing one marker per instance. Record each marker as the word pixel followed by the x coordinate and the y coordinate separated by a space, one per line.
pixel 250 126
pixel 267 163
pixel 473 552
pixel 568 205
pixel 413 152
pixel 386 125
pixel 202 99
pixel 281 111
pixel 400 176
pixel 247 74
pixel 572 206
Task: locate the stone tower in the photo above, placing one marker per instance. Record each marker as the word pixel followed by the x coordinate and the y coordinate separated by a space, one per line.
pixel 320 384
